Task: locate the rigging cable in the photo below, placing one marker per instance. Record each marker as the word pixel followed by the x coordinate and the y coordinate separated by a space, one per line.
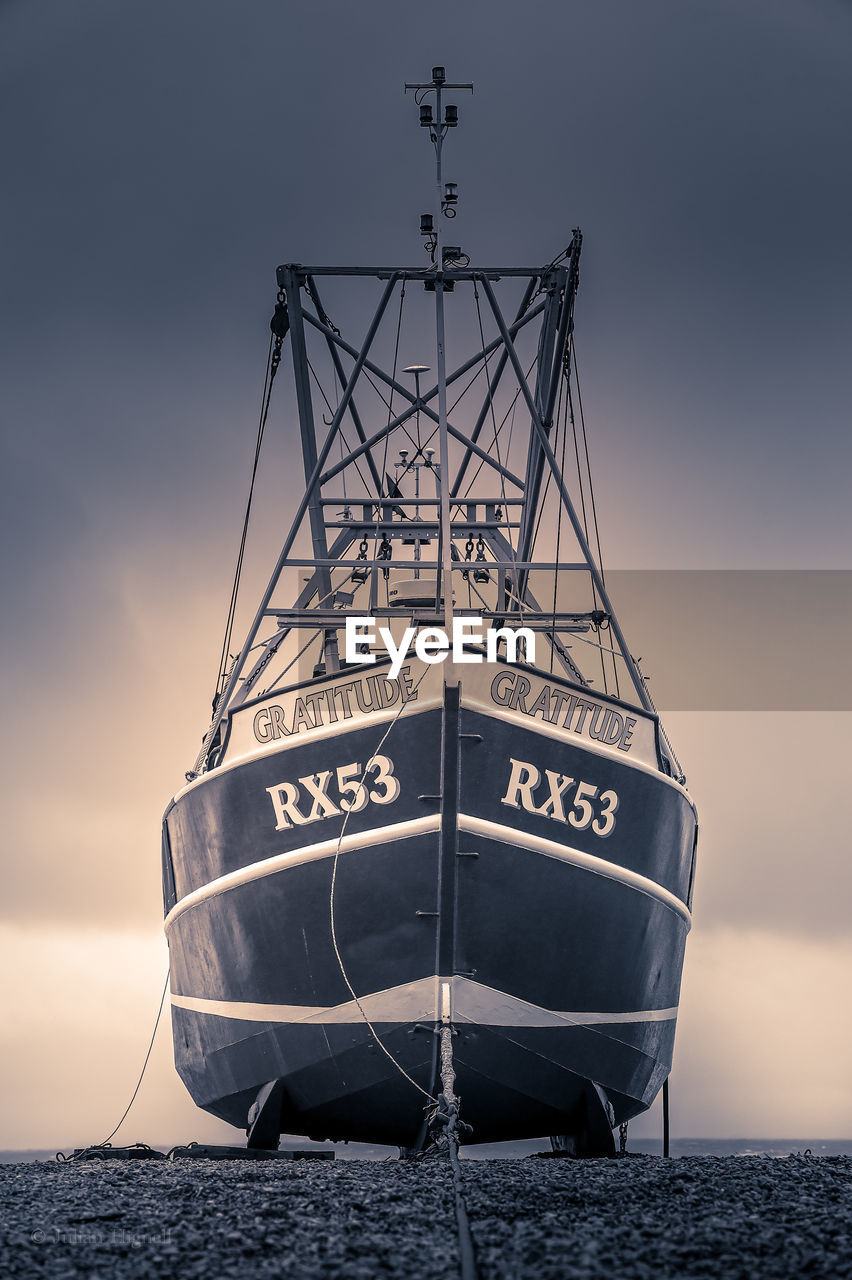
pixel 144 1064
pixel 87 1152
pixel 588 463
pixel 510 410
pixel 400 425
pixel 343 440
pixel 343 445
pixel 559 414
pixel 467 388
pixel 592 499
pixel 272 360
pixel 489 392
pixel 334 942
pixel 541 507
pixel 421 445
pixel 595 602
pixel 383 473
pixel 311 640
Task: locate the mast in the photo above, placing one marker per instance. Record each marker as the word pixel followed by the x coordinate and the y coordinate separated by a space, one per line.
pixel 445 201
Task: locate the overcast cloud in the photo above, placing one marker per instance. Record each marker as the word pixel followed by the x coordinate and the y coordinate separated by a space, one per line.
pixel 159 161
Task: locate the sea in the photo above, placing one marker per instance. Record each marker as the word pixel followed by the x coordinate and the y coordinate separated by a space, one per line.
pixel 776 1148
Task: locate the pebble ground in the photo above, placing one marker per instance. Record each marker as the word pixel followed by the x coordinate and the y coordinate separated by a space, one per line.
pixel 641 1216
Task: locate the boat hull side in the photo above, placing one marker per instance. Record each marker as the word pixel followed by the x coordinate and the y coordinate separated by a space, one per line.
pixel 567 946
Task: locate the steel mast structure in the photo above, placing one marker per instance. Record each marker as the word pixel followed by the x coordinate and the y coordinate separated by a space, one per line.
pixel 499 509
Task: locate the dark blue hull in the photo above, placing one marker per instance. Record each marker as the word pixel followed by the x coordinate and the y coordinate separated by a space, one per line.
pixel 471 870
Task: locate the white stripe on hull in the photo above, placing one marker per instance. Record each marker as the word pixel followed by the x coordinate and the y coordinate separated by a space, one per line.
pixel 418 1002
pixel 308 853
pixel 565 853
pixel 419 826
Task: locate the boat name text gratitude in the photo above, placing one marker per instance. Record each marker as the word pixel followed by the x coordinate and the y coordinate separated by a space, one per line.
pixel 328 706
pixel 432 644
pixel 510 689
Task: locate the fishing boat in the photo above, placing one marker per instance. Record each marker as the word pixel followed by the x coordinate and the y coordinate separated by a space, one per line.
pixel 435 791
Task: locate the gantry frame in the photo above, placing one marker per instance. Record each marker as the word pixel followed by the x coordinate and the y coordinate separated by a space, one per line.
pixel 548 298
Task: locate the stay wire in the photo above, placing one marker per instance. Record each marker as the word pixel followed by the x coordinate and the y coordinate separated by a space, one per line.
pixel 232 608
pixel 588 462
pixel 383 475
pixel 418 444
pixel 343 440
pixel 564 426
pixel 467 388
pixel 421 445
pixel 579 471
pixel 329 595
pixel 110 1136
pixel 543 500
pixel 595 601
pixel 401 426
pixel 485 358
pixel 592 497
pixel 335 384
pixel 271 687
pixel 540 516
pixel 505 419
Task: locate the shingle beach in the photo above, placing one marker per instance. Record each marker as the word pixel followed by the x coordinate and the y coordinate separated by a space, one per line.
pixel 640 1216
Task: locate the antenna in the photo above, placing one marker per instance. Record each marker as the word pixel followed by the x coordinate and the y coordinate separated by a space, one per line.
pixel 444 118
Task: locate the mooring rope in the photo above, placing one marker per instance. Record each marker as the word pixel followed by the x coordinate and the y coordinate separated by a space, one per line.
pixel 448 1128
pixel 110 1136
pixel 331 908
pixel 86 1152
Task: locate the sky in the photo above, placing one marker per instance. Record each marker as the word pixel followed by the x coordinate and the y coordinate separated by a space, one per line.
pixel 160 160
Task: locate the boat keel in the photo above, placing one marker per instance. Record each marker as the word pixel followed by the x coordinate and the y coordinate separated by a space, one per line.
pixel 264 1117
pixel 591 1135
